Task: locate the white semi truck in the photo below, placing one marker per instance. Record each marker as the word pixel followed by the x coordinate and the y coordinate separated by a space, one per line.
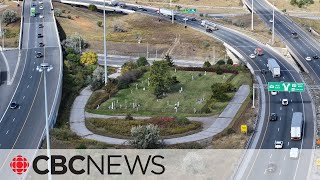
pixel 274 67
pixel 296 126
pixel 166 12
pixel 209 26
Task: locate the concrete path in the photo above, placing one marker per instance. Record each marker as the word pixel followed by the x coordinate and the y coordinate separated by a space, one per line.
pixel 78 115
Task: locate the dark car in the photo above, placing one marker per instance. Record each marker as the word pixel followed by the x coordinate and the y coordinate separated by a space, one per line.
pixel 14 105
pixel 273 117
pixel 209 30
pixel 294 35
pixel 40 25
pixel 134 8
pixel 39 55
pixel 315 57
pixel 193 19
pixel 41 44
pixel 40 35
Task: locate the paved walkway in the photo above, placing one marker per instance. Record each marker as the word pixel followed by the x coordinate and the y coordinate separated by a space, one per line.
pixel 78 115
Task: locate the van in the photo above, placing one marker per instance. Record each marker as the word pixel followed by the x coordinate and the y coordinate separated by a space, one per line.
pixel 294 153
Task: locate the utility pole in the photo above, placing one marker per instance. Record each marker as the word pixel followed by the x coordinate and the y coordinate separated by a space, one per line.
pixel 273 24
pixel 172 15
pixel 253 106
pixel 252 15
pixel 45 67
pixel 147 50
pixel 80 44
pixel 105 44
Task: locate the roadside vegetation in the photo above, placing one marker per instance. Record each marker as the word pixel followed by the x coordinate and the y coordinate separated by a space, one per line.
pixel 309 23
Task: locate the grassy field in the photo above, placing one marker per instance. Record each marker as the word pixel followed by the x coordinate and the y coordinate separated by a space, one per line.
pixel 307 23
pixel 193 97
pixel 285 4
pixel 121 128
pixel 159 38
pixel 13 29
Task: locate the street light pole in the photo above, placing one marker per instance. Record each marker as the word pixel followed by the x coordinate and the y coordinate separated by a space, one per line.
pixel 44 67
pixel 273 24
pixel 252 15
pixel 105 44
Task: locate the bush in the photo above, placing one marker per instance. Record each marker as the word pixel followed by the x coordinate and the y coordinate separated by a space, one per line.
pixel 9 16
pixel 182 121
pixel 69 17
pixel 145 137
pixel 206 64
pixel 128 117
pixel 98 98
pixel 129 77
pixel 219 70
pixel 89 58
pixel 81 146
pixel 142 61
pixel 221 62
pixel 169 59
pixel 57 12
pixel 128 66
pixel 99 23
pixel 229 61
pixel 92 7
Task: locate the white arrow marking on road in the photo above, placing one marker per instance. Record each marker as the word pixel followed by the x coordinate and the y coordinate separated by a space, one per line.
pixel 278 129
pixel 288 143
pixel 28 86
pixel 280 118
pixel 24 97
pixel 7 132
pixel 292 109
pixel 13 119
pixel 280 108
pixel 270 156
pixel 280 172
pixel 30 77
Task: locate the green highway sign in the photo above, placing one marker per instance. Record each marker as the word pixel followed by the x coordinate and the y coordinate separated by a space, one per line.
pixel 190 10
pixel 286 86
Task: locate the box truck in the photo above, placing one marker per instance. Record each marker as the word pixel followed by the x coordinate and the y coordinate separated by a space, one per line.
pixel 296 126
pixel 209 26
pixel 274 67
pixel 166 12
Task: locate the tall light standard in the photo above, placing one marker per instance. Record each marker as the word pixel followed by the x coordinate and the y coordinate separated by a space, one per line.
pixel 273 24
pixel 105 43
pixel 252 15
pixel 45 67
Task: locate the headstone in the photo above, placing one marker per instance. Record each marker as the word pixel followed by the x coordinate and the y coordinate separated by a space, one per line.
pixel 178 103
pixel 144 88
pixel 205 72
pixel 192 78
pixel 175 70
pixel 136 86
pixel 194 110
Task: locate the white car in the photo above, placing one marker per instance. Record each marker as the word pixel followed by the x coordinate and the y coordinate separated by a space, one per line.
pixel 40 2
pixel 294 153
pixel 278 144
pixel 41 16
pixel 285 102
pixel 252 56
pixel 308 58
pixel 273 93
pixel 40 7
pixel 271 20
pixel 185 19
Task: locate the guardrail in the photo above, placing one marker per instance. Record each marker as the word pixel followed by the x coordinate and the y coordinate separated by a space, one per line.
pixel 21 26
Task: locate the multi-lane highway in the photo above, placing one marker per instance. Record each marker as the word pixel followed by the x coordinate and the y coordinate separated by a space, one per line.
pixel 271 131
pixel 302 47
pixel 23 128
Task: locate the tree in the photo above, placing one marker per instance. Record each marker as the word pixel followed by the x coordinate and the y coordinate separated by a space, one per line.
pixel 229 61
pixel 73 57
pixel 145 137
pixel 221 62
pixel 206 64
pixel 89 58
pixel 128 66
pixel 92 7
pixel 74 42
pixel 99 23
pixel 97 79
pixel 160 77
pixel 168 58
pixel 118 26
pixel 142 61
pixel 219 91
pixel 57 12
pixel 9 16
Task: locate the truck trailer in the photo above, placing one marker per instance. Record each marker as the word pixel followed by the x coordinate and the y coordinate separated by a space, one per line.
pixel 166 12
pixel 274 67
pixel 209 26
pixel 296 126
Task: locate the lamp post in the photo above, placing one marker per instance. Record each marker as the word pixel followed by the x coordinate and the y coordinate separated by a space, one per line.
pixel 45 67
pixel 273 24
pixel 105 44
pixel 252 15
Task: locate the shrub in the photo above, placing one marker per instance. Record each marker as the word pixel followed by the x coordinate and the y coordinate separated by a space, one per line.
pixel 142 61
pixel 69 17
pixel 92 7
pixel 229 61
pixel 206 64
pixel 81 146
pixel 129 77
pixel 89 58
pixel 128 66
pixel 9 16
pixel 182 121
pixel 145 137
pixel 221 62
pixel 99 23
pixel 219 70
pixel 57 12
pixel 128 117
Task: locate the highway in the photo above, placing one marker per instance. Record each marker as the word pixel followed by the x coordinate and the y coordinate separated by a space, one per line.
pixel 271 131
pixel 303 46
pixel 23 128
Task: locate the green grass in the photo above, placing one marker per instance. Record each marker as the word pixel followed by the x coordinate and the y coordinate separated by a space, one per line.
pixel 121 128
pixel 189 99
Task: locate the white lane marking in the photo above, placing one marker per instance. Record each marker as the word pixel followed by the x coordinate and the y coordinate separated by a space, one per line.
pixel 278 129
pixel 30 77
pixel 34 62
pixel 33 69
pixel 280 108
pixel 280 118
pixel 284 157
pixel 270 156
pixel 24 97
pixel 280 172
pixel 13 119
pixel 292 109
pixel 28 86
pixel 19 107
pixel 7 132
pixel 288 143
pixel 291 100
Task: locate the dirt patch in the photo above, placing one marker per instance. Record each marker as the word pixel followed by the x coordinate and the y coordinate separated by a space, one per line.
pixel 141 34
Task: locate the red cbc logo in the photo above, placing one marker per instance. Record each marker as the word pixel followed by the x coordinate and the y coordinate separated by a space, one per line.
pixel 19 164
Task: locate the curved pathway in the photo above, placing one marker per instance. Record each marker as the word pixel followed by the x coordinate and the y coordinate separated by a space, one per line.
pixel 78 116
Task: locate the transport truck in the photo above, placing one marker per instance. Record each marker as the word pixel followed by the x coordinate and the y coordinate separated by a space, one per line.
pixel 166 12
pixel 209 26
pixel 113 3
pixel 296 126
pixel 274 67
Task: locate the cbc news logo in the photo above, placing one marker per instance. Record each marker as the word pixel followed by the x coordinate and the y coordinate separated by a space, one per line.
pixel 19 164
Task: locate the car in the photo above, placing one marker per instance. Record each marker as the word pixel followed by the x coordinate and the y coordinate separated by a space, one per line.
pixel 40 35
pixel 33 5
pixel 41 44
pixel 209 30
pixel 308 58
pixel 285 102
pixel 134 8
pixel 41 16
pixel 185 19
pixel 294 153
pixel 252 56
pixel 263 71
pixel 273 117
pixel 39 55
pixel 40 2
pixel 271 167
pixel 271 20
pixel 193 19
pixel 294 35
pixel 14 105
pixel 40 25
pixel 315 57
pixel 273 93
pixel 278 144
pixel 40 7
